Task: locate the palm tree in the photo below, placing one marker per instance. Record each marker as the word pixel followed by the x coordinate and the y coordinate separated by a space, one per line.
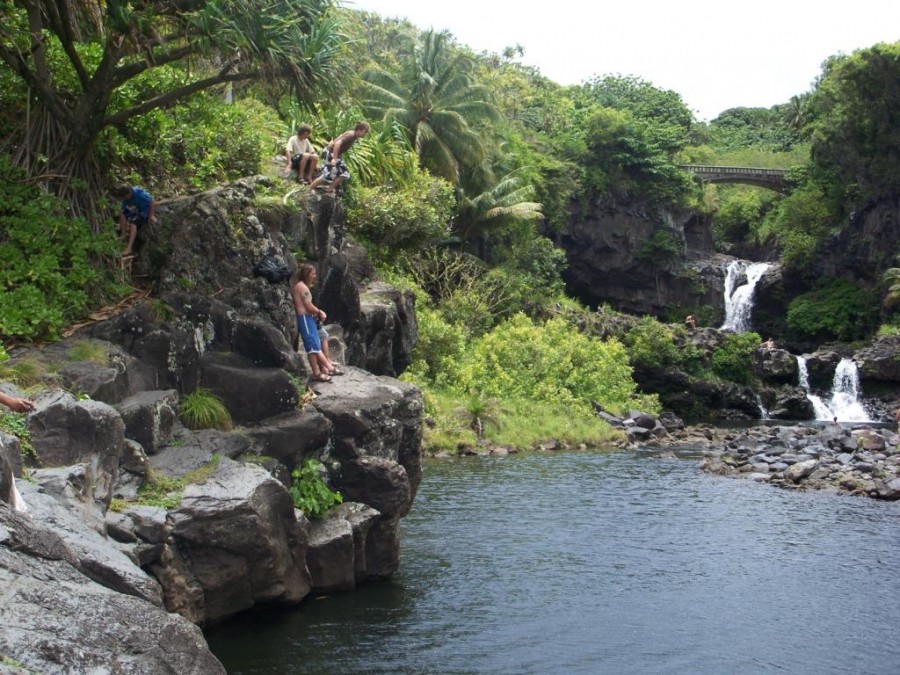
pixel 892 278
pixel 506 202
pixel 436 100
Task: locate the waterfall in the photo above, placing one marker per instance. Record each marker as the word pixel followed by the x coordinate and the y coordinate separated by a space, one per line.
pixel 763 413
pixel 845 403
pixel 739 301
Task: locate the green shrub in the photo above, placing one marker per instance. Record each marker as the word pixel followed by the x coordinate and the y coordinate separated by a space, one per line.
pixel 439 349
pixel 309 492
pixel 837 310
pixel 734 359
pixel 553 363
pixel 202 409
pixel 49 271
pixel 402 217
pixel 651 344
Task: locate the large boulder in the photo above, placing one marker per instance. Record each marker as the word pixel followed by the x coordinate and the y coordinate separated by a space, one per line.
pixel 149 417
pixel 879 364
pixel 387 330
pixel 237 539
pixel 775 366
pixel 56 620
pixel 375 417
pixel 65 432
pixel 93 554
pixel 10 466
pixel 250 393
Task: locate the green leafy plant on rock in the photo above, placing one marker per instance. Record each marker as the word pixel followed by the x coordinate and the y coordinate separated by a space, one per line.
pixel 202 409
pixel 309 491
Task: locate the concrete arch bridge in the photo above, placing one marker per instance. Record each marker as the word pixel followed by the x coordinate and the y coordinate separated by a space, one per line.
pixel 772 179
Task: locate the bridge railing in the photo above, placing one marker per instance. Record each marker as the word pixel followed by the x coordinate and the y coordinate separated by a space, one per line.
pixel 736 170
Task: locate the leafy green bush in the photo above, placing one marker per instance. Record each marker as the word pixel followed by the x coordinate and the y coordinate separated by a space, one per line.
pixel 651 344
pixel 799 222
pixel 402 217
pixel 49 271
pixel 733 360
pixel 198 143
pixel 309 492
pixel 439 349
pixel 552 363
pixel 201 409
pixel 837 310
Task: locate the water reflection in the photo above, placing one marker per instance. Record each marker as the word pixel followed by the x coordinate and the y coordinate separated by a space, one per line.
pixel 604 563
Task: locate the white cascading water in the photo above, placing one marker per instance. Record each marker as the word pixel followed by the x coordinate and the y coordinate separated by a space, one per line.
pixel 739 301
pixel 845 403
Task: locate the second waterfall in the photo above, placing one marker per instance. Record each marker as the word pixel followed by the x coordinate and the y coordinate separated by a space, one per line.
pixel 739 299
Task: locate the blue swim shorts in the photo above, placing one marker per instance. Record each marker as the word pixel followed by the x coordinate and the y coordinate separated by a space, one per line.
pixel 309 333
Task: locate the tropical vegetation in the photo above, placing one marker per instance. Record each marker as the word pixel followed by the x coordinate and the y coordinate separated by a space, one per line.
pixel 473 165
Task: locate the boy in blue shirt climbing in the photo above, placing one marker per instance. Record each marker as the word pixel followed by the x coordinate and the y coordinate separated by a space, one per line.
pixel 138 209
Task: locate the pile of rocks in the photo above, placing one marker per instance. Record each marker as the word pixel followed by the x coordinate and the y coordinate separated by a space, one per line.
pixel 855 459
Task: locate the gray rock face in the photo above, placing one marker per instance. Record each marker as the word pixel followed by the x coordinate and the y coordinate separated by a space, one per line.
pixel 250 394
pixel 388 329
pixel 330 558
pixel 603 250
pixel 775 366
pixel 239 542
pixel 92 553
pixel 56 620
pixel 149 417
pixel 791 403
pixel 375 417
pixel 65 431
pixel 10 466
pixel 879 364
pixel 291 437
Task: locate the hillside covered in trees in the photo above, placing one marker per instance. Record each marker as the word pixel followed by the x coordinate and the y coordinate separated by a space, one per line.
pixel 474 165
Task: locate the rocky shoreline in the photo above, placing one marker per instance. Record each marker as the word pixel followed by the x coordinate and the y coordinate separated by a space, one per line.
pixel 856 459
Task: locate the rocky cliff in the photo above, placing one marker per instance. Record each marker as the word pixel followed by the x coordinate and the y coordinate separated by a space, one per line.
pixel 610 259
pixel 226 537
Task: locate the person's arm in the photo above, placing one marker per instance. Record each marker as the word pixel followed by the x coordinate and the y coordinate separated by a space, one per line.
pixel 151 211
pixel 16 404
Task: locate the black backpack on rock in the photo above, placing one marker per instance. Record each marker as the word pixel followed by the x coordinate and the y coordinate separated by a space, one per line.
pixel 272 270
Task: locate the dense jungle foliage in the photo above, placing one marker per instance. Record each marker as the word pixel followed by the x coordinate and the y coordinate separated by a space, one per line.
pixel 472 159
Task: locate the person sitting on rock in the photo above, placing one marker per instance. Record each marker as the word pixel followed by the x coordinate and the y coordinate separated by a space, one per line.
pixel 769 344
pixel 301 155
pixel 307 315
pixel 690 321
pixel 335 171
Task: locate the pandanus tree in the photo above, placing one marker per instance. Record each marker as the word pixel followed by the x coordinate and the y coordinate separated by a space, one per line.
pixel 75 58
pixel 435 98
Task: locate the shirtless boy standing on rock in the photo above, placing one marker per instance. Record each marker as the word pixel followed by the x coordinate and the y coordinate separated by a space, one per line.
pixel 307 315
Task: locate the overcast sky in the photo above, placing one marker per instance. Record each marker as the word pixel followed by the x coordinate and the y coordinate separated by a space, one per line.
pixel 717 54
